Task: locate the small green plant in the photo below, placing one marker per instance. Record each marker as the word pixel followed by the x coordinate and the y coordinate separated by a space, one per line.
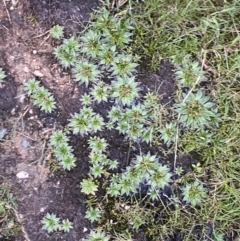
pixel 194 193
pixel 91 43
pixel 66 226
pixel 40 95
pixel 97 236
pixel 137 222
pixel 57 31
pixel 86 121
pixel 88 186
pixel 86 72
pixel 123 66
pixel 86 99
pixel 197 111
pixel 62 150
pixel 2 76
pixel 168 133
pixel 100 92
pixel 189 72
pixel 93 214
pixel 125 90
pixel 52 223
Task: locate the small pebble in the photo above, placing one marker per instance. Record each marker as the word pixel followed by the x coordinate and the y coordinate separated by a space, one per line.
pixel 38 73
pixel 22 175
pixel 3 132
pixel 13 111
pixel 22 98
pixel 34 51
pixel 14 2
pixel 42 209
pixel 26 69
pixel 85 230
pixel 25 143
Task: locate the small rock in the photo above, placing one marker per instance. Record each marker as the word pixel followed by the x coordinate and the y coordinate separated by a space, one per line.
pixel 13 111
pixel 38 73
pixel 127 207
pixel 34 51
pixel 22 175
pixel 14 3
pixel 42 210
pixel 26 69
pixel 22 98
pixel 85 230
pixel 3 132
pixel 25 143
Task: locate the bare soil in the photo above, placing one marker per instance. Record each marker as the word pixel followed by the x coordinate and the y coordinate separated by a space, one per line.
pixel 26 51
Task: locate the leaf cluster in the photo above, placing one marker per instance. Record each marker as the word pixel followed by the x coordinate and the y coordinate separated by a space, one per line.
pixel 51 223
pixel 98 161
pixel 99 48
pixel 144 170
pixel 194 193
pixel 197 111
pixel 40 95
pixel 57 31
pixel 86 121
pixel 100 59
pixel 67 52
pixel 97 236
pixel 62 150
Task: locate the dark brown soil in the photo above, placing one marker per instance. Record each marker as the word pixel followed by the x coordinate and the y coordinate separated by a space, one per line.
pixel 42 191
pixel 26 50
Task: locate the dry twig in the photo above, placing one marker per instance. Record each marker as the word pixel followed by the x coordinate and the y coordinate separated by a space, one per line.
pixel 7 11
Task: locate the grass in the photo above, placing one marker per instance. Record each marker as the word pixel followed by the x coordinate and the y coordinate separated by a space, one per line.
pixel 8 224
pixel 208 31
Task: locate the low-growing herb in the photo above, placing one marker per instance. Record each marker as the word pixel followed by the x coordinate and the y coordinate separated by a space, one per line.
pixel 57 31
pixel 40 95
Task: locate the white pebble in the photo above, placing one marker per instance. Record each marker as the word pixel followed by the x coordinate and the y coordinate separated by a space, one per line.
pixel 38 73
pixel 22 175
